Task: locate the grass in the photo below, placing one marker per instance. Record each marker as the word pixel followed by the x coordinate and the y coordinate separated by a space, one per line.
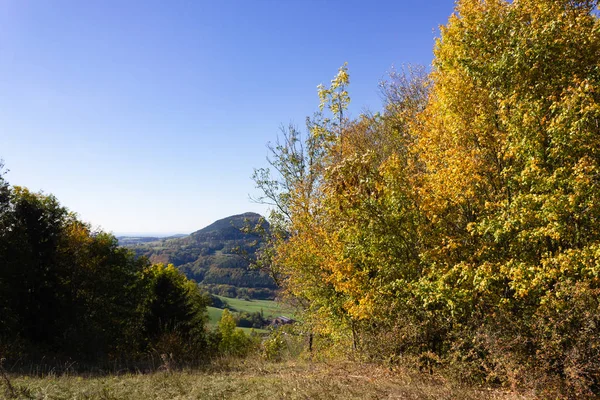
pixel 248 331
pixel 269 308
pixel 214 315
pixel 255 379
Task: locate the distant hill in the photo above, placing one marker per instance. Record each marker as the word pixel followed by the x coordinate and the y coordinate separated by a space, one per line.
pixel 211 257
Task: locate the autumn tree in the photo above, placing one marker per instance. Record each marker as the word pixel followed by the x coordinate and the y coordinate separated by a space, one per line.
pixel 460 225
pixel 359 203
pixel 510 149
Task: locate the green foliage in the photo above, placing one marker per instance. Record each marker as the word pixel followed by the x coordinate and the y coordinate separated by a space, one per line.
pixel 274 345
pixel 234 341
pixel 65 288
pixel 174 304
pixel 68 291
pixel 251 320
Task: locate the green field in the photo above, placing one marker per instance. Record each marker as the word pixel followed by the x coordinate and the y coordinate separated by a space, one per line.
pixel 269 308
pixel 214 315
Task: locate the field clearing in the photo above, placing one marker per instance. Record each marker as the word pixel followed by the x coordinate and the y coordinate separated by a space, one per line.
pixel 214 315
pixel 270 308
pixel 254 379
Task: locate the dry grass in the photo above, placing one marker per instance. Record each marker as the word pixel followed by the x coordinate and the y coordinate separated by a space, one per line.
pixel 254 380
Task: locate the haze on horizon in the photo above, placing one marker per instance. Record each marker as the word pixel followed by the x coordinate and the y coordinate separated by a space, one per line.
pixel 148 117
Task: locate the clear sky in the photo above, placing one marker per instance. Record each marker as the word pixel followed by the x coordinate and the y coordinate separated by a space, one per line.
pixel 149 116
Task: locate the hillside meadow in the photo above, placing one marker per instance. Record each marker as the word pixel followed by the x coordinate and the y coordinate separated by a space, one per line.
pixel 268 308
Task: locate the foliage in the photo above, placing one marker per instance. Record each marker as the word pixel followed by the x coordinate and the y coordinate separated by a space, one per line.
pixel 251 320
pixel 459 226
pixel 65 288
pixel 174 305
pixel 284 342
pixel 67 291
pixel 273 346
pixel 233 341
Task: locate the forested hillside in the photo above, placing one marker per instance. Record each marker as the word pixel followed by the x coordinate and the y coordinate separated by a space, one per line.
pixel 217 256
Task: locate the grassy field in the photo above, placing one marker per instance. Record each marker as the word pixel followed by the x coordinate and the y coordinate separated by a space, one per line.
pixel 269 308
pixel 214 315
pixel 252 379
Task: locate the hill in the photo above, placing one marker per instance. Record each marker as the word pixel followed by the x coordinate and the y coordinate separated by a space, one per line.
pixel 211 256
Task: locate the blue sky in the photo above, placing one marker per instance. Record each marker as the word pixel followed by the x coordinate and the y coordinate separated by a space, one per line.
pixel 149 116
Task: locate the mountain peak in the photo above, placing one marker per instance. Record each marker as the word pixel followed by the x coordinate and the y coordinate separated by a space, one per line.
pixel 232 222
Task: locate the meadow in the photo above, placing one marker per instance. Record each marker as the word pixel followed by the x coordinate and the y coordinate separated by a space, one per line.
pixel 253 379
pixel 269 308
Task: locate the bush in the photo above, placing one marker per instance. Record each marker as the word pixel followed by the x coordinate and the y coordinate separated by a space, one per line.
pixel 234 341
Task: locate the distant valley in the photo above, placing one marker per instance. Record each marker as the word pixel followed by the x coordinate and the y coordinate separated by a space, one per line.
pixel 130 240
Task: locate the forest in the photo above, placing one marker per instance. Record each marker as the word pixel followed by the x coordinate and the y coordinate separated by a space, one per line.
pixel 68 292
pixel 457 231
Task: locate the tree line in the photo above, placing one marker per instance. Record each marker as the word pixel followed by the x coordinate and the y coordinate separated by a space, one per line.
pixel 70 292
pixel 460 226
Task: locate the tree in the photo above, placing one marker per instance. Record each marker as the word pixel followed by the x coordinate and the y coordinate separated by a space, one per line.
pixel 509 147
pixel 233 341
pixel 459 224
pixel 175 304
pixel 359 192
pixel 65 289
pixel 69 291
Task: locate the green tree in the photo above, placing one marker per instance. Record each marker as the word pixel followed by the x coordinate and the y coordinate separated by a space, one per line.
pixel 33 226
pixel 233 341
pixel 102 293
pixel 66 289
pixel 174 304
pixel 73 292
